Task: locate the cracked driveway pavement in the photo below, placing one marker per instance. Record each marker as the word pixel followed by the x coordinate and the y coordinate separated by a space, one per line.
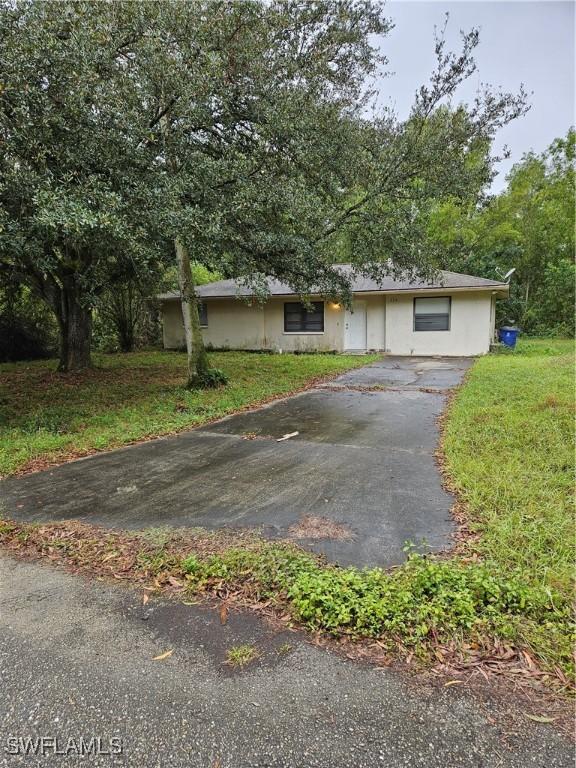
pixel 363 457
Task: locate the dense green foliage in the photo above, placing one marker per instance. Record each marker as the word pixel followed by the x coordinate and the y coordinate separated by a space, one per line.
pixel 46 416
pixel 235 133
pixel 425 598
pixel 75 217
pixel 529 226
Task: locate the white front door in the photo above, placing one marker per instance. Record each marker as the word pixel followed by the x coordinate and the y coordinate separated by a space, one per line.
pixel 355 327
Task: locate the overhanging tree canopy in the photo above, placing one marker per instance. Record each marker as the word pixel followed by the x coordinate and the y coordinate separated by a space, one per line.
pixel 238 131
pixel 76 209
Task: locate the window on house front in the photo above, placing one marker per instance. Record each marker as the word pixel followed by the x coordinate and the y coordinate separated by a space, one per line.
pixel 299 319
pixel 203 313
pixel 432 314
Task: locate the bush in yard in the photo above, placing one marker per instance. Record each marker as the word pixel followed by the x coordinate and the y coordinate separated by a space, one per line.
pixel 425 599
pixel 209 379
pixel 423 596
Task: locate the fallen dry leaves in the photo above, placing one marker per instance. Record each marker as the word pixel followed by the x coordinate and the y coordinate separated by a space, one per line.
pixel 315 527
pixel 540 718
pixel 497 658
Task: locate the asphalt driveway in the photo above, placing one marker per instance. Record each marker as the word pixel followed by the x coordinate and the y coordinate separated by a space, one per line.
pixel 363 458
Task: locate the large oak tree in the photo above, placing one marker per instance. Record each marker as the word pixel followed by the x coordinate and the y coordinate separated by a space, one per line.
pixel 76 209
pixel 237 132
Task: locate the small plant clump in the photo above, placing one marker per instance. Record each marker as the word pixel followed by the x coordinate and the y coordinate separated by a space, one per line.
pixel 209 379
pixel 285 649
pixel 241 655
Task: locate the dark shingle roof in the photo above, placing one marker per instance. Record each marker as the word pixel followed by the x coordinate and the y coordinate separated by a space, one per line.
pixel 230 288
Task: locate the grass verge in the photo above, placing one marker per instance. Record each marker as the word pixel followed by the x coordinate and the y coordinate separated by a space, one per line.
pixel 509 455
pixel 48 417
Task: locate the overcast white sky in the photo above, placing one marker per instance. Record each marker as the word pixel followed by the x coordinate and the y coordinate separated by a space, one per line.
pixel 520 42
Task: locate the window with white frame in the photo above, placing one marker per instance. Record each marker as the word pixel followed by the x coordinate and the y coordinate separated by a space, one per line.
pixel 432 314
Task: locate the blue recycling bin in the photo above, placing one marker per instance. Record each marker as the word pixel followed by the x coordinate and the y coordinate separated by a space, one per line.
pixel 508 335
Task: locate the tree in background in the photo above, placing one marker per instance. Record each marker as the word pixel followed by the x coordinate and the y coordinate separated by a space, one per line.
pixel 121 317
pixel 529 226
pixel 126 315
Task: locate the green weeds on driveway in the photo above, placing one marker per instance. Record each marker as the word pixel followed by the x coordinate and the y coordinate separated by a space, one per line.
pixel 49 417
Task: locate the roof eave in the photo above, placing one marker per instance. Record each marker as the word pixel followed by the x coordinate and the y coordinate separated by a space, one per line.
pixel 501 291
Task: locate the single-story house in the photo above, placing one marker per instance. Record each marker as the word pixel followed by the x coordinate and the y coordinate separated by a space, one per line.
pixel 455 316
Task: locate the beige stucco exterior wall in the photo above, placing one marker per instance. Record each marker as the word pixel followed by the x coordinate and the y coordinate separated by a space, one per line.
pixel 470 331
pixel 233 323
pixel 389 326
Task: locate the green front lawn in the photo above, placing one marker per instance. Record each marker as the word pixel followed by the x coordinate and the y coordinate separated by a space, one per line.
pixel 47 416
pixel 509 446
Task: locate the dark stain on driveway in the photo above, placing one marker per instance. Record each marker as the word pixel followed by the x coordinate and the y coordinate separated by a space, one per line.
pixel 174 624
pixel 362 459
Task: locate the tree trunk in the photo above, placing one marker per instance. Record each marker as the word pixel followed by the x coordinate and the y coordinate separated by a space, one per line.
pixel 522 320
pixel 63 338
pixel 124 318
pixel 197 358
pixel 75 324
pixel 63 295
